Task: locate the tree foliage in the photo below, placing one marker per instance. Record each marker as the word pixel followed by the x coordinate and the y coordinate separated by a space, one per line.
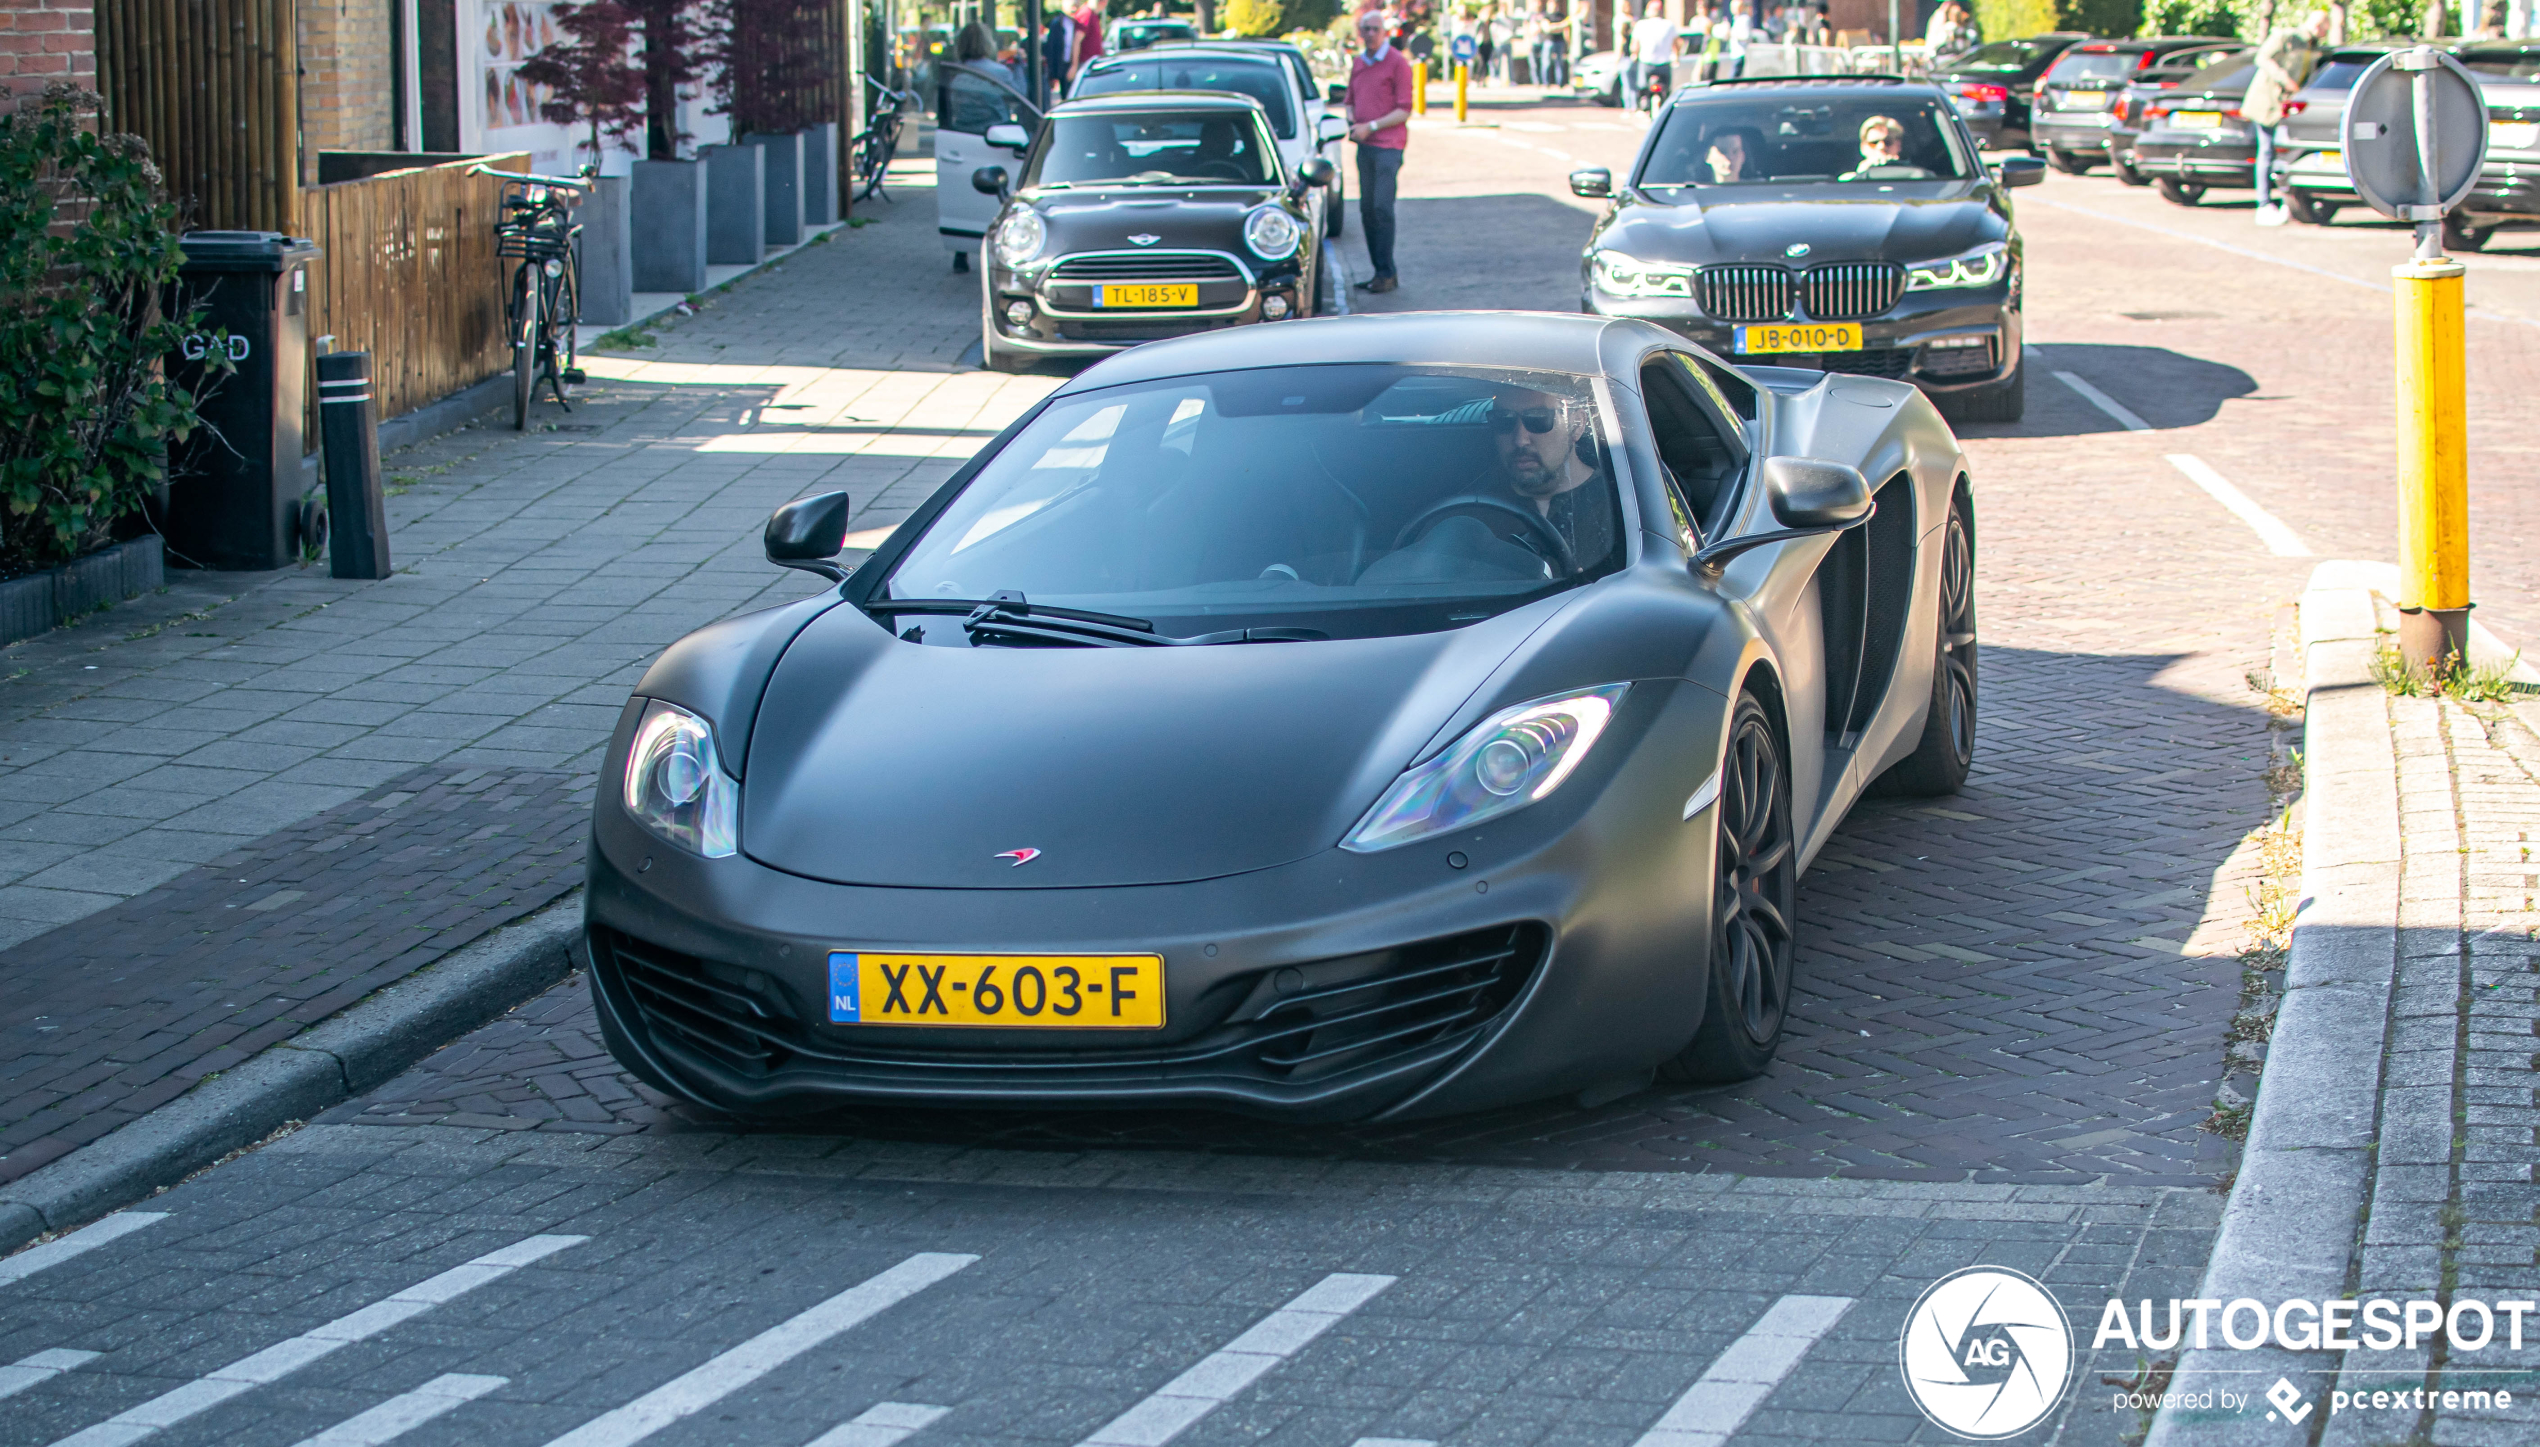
pixel 592 75
pixel 87 246
pixel 1252 17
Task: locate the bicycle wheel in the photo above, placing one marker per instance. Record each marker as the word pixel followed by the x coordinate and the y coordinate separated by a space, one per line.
pixel 525 337
pixel 569 325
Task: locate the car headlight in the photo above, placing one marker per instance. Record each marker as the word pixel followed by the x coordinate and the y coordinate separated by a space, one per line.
pixel 676 786
pixel 1271 233
pixel 1629 276
pixel 1020 237
pixel 1981 267
pixel 1513 758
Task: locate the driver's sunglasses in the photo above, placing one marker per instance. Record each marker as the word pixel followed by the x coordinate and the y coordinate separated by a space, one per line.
pixel 1538 420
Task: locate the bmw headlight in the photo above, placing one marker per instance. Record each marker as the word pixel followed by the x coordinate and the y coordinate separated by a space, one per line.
pixel 1271 233
pixel 676 786
pixel 1513 758
pixel 1020 236
pixel 1629 276
pixel 1981 267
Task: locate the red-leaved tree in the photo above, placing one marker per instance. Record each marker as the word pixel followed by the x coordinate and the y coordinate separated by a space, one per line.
pixel 592 75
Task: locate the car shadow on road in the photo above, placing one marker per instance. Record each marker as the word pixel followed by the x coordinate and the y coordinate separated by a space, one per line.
pixel 2161 387
pixel 1473 253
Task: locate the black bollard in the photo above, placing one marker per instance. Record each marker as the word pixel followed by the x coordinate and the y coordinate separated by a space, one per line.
pixel 348 423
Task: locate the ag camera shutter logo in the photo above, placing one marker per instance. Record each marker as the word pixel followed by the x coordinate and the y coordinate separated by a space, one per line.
pixel 1986 1352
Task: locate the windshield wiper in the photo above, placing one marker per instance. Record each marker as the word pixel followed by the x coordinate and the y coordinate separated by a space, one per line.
pixel 1009 618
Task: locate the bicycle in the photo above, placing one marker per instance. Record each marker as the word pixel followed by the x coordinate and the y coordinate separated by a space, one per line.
pixel 536 229
pixel 876 145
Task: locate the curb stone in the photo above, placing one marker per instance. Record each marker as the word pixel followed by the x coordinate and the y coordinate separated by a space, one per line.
pixel 2297 1206
pixel 361 1047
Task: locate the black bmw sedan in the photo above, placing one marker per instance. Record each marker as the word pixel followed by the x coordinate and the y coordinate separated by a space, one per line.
pixel 1141 216
pixel 1846 224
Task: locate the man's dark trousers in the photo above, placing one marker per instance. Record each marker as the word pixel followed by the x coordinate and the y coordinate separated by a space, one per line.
pixel 1379 167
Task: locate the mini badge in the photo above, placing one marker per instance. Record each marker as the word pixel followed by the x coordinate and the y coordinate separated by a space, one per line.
pixel 1145 238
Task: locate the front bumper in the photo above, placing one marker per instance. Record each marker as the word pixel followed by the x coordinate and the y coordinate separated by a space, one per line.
pixel 1910 342
pixel 1422 987
pixel 2507 190
pixel 2225 161
pixel 2074 131
pixel 1065 321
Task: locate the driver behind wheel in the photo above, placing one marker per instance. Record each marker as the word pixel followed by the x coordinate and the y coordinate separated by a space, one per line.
pixel 1540 438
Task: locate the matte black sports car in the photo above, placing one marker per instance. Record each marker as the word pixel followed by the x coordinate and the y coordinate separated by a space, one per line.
pixel 1146 215
pixel 1841 223
pixel 1367 716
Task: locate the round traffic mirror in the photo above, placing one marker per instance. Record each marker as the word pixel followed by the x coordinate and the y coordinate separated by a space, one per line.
pixel 2415 134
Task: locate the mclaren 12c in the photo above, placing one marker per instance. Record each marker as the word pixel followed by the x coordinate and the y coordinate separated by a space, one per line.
pixel 1368 717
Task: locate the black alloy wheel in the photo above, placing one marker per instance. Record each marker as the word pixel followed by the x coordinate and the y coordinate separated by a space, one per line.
pixel 1754 896
pixel 2126 172
pixel 1947 750
pixel 2071 163
pixel 2177 192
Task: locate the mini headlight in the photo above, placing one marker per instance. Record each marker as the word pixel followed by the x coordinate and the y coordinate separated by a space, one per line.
pixel 1271 233
pixel 1020 236
pixel 1513 758
pixel 1981 267
pixel 676 786
pixel 1630 276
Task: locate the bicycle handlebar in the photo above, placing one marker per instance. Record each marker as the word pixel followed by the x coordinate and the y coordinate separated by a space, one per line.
pixel 576 185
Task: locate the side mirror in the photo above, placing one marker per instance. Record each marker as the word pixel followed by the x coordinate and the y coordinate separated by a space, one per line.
pixel 1314 171
pixel 989 181
pixel 1337 95
pixel 1329 129
pixel 807 532
pixel 1014 138
pixel 1808 498
pixel 2019 171
pixel 1594 183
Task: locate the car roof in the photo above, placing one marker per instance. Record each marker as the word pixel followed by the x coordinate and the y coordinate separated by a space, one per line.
pixel 1813 84
pixel 1154 52
pixel 1159 100
pixel 2143 43
pixel 1552 341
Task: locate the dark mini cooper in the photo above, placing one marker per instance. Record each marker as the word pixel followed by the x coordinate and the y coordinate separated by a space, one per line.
pixel 1844 224
pixel 1145 215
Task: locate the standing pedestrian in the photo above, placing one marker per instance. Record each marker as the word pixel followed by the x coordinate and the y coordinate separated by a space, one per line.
pixel 1088 37
pixel 1742 33
pixel 1653 53
pixel 1379 107
pixel 1482 47
pixel 2285 62
pixel 1058 54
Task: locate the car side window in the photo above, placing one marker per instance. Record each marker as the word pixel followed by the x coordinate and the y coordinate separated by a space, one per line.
pixel 1700 455
pixel 972 103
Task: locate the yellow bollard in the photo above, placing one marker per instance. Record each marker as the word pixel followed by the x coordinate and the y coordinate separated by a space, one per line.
pixel 1462 78
pixel 2433 464
pixel 1419 87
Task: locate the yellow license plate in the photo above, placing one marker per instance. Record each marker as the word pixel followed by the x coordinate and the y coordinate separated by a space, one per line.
pixel 2197 120
pixel 2085 100
pixel 1069 992
pixel 1178 294
pixel 1800 337
pixel 2513 135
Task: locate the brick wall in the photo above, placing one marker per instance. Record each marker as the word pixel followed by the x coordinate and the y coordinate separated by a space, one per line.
pixel 46 40
pixel 348 85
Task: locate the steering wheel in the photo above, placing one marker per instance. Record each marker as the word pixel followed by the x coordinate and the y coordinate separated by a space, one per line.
pixel 1555 549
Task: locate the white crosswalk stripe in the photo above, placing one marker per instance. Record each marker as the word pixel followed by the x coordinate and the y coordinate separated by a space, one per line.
pixel 403 1413
pixel 706 1385
pixel 87 1238
pixel 44 1366
pixel 283 1358
pixel 1739 1379
pixel 1222 1375
pixel 885 1424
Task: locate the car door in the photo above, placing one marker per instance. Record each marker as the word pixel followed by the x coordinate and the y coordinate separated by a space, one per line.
pixel 971 102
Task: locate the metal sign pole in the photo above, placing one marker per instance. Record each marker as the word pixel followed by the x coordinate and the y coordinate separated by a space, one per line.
pixel 1032 52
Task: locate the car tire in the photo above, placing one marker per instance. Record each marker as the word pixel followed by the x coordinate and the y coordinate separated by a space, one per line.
pixel 2302 208
pixel 1940 760
pixel 2460 235
pixel 2003 401
pixel 2179 193
pixel 2071 163
pixel 1751 956
pixel 2126 173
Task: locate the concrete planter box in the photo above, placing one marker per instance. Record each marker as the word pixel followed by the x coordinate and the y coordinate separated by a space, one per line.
pixel 736 205
pixel 608 252
pixel 784 177
pixel 41 602
pixel 820 174
pixel 666 226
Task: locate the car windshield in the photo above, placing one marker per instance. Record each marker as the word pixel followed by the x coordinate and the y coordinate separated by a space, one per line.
pixel 1159 148
pixel 2095 65
pixel 1353 500
pixel 2509 62
pixel 2228 76
pixel 1263 80
pixel 2005 57
pixel 1752 138
pixel 2337 73
pixel 1140 34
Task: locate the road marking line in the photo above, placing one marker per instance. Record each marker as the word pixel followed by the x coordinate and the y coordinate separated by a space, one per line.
pixel 885 1424
pixel 44 1366
pixel 1222 1375
pixel 2280 540
pixel 1340 277
pixel 86 1238
pixel 1739 1379
pixel 283 1358
pixel 399 1415
pixel 694 1391
pixel 2105 403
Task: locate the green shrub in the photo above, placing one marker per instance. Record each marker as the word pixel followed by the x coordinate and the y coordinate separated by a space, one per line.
pixel 2011 19
pixel 87 243
pixel 2191 17
pixel 1251 17
pixel 1307 14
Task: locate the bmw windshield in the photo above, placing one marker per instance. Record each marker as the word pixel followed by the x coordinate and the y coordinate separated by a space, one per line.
pixel 1753 138
pixel 1341 501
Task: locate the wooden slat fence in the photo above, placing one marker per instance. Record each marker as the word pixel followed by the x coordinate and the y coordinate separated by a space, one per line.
pixel 213 86
pixel 407 273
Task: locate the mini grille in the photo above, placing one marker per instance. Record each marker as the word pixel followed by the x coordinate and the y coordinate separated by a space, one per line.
pixel 1745 293
pixel 1169 266
pixel 1846 291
